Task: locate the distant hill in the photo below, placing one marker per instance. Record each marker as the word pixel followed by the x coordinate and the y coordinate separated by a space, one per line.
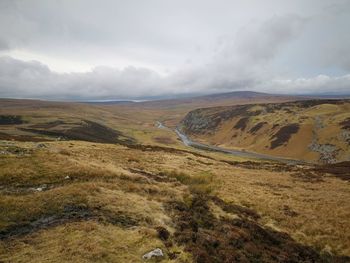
pixel 110 102
pixel 227 98
pixel 217 99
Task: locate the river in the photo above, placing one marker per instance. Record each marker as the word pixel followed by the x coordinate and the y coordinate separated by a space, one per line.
pixel 188 142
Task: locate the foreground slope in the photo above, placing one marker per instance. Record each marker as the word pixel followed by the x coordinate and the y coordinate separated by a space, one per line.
pixel 314 130
pixel 86 202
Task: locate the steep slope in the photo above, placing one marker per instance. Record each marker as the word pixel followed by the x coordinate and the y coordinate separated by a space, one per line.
pixel 313 130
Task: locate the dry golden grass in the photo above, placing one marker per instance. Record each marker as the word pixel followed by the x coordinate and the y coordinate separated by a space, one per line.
pixel 109 180
pixel 315 213
pixel 86 242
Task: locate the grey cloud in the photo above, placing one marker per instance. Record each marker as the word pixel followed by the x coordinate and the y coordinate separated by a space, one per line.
pixel 316 85
pixel 261 42
pixel 202 46
pixel 4 45
pixel 35 80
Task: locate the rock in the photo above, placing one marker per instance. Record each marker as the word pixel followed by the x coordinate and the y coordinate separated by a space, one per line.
pixel 154 253
pixel 40 189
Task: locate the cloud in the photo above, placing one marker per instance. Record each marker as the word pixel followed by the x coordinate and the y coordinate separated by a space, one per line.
pixel 32 79
pixel 212 47
pixel 260 42
pixel 321 84
pixel 35 80
pixel 242 60
pixel 4 45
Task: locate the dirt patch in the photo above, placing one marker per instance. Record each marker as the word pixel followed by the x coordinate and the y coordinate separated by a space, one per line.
pixel 10 119
pixel 242 123
pixel 283 135
pixel 257 127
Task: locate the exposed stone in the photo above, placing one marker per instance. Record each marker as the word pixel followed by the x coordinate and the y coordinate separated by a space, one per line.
pixel 154 253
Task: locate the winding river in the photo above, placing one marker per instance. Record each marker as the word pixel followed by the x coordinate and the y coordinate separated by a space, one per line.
pixel 188 142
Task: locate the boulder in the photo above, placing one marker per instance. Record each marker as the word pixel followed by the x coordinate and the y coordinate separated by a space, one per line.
pixel 154 253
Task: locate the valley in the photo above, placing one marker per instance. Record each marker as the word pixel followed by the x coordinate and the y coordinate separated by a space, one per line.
pixel 109 183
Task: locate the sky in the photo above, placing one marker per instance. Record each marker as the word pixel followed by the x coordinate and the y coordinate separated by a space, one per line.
pixel 132 49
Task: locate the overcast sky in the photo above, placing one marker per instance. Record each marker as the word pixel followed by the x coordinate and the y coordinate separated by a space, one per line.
pixel 81 49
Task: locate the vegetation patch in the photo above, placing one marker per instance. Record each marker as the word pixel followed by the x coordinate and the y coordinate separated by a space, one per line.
pixel 10 119
pixel 308 176
pixel 242 123
pixel 220 239
pixel 283 135
pixel 340 170
pixel 60 208
pixel 20 138
pixel 210 239
pixel 69 213
pixel 88 131
pixel 257 127
pixel 345 124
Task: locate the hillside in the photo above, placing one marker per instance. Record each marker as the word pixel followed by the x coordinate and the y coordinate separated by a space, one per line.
pixel 172 111
pixel 94 183
pixel 313 130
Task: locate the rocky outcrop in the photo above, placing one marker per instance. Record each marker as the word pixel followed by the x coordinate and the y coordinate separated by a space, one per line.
pixel 207 120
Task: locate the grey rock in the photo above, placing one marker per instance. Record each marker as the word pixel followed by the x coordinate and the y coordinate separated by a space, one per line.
pixel 154 253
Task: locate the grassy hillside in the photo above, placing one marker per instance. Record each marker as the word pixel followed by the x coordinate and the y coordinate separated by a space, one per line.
pixel 316 130
pixel 94 183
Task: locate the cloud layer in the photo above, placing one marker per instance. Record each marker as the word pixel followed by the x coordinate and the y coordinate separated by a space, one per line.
pixel 158 48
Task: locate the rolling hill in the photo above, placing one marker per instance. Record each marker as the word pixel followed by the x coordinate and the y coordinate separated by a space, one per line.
pixel 101 183
pixel 311 130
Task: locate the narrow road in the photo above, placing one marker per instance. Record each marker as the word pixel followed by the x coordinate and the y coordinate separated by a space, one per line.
pixel 188 142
